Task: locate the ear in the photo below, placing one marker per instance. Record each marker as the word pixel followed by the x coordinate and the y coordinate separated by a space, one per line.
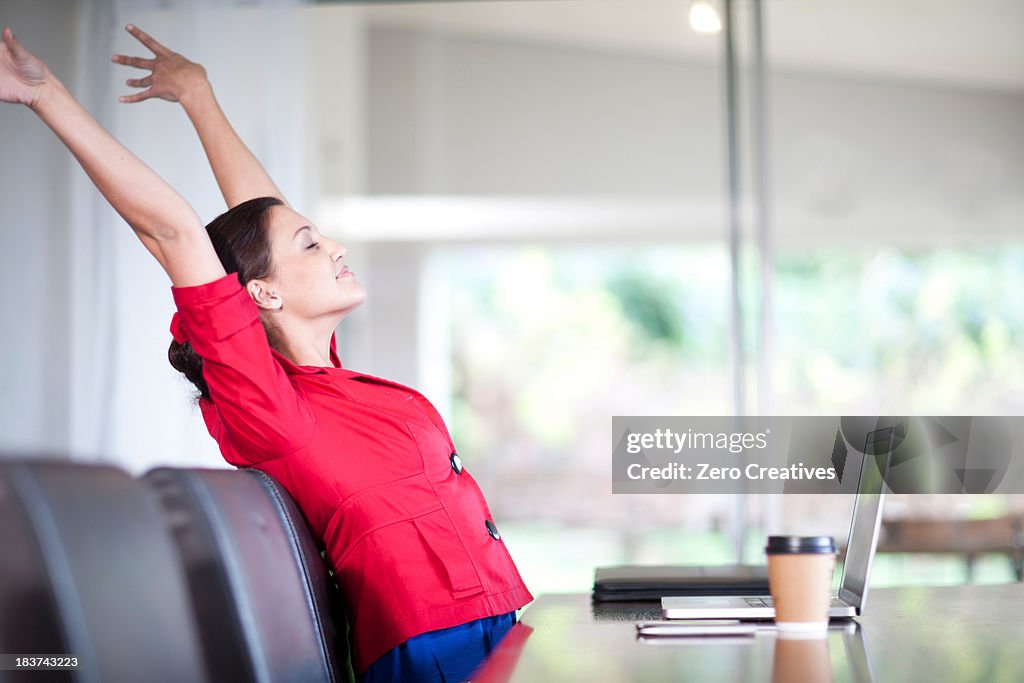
pixel 266 297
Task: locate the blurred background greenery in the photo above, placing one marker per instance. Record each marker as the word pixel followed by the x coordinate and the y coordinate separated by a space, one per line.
pixel 549 342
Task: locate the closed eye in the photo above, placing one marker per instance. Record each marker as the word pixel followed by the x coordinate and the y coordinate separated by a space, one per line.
pixel 313 246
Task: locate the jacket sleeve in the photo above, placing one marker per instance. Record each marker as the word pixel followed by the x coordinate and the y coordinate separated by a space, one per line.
pixel 261 412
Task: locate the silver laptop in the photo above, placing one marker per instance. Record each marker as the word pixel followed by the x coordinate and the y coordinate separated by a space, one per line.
pixel 860 551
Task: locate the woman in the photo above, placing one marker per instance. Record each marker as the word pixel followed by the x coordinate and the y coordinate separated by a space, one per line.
pixel 429 585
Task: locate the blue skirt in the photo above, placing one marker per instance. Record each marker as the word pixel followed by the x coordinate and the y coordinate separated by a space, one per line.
pixel 449 655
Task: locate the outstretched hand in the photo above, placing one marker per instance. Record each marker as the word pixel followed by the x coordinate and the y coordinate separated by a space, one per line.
pixel 22 74
pixel 172 76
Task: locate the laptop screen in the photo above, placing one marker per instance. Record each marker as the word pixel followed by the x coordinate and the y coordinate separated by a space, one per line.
pixel 866 516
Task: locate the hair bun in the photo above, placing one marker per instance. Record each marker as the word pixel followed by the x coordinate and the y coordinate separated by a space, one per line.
pixel 185 360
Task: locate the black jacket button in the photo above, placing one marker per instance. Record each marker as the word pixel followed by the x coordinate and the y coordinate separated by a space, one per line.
pixel 492 529
pixel 456 463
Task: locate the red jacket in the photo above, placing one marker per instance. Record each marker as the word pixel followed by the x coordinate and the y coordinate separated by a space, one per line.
pixel 372 467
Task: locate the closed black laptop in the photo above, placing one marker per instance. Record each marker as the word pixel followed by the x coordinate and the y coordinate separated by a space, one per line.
pixel 652 582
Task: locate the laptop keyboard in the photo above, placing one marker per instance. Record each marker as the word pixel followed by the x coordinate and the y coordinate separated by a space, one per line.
pixel 759 602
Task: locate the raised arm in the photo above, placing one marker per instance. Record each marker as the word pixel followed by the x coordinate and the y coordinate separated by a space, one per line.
pixel 239 173
pixel 168 227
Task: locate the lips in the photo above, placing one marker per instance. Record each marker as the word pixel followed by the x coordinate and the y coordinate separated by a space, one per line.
pixel 342 273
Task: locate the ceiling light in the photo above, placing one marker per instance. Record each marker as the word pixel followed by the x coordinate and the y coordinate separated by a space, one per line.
pixel 704 18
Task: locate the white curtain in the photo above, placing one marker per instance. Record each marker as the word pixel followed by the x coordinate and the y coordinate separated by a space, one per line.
pixel 128 407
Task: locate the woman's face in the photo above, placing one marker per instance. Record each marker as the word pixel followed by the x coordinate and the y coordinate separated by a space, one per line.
pixel 310 274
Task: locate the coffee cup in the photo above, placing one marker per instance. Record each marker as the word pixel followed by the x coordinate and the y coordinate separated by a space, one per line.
pixel 800 580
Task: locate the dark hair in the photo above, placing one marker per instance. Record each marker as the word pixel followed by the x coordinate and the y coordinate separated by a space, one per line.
pixel 241 240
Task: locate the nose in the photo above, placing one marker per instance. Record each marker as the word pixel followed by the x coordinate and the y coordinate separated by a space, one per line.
pixel 337 250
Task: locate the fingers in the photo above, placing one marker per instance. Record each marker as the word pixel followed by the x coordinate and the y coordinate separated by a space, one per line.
pixel 137 97
pixel 147 40
pixel 21 56
pixel 137 62
pixel 140 82
pixel 12 43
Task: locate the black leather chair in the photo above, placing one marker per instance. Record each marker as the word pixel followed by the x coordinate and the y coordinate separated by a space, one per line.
pixel 87 568
pixel 267 609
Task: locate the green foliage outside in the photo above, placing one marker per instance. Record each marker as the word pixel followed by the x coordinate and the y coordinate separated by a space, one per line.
pixel 549 342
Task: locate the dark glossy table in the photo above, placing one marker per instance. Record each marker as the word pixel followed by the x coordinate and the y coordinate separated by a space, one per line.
pixel 962 633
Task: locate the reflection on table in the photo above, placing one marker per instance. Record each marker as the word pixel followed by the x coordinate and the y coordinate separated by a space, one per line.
pixel 963 633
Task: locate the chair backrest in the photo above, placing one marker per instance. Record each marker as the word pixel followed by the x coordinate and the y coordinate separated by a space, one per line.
pixel 266 606
pixel 88 569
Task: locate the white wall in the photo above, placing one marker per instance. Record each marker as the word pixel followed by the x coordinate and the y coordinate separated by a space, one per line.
pixel 35 253
pixel 853 157
pixel 501 118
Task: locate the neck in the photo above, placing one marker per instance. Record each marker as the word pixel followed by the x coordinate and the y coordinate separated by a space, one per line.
pixel 307 343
